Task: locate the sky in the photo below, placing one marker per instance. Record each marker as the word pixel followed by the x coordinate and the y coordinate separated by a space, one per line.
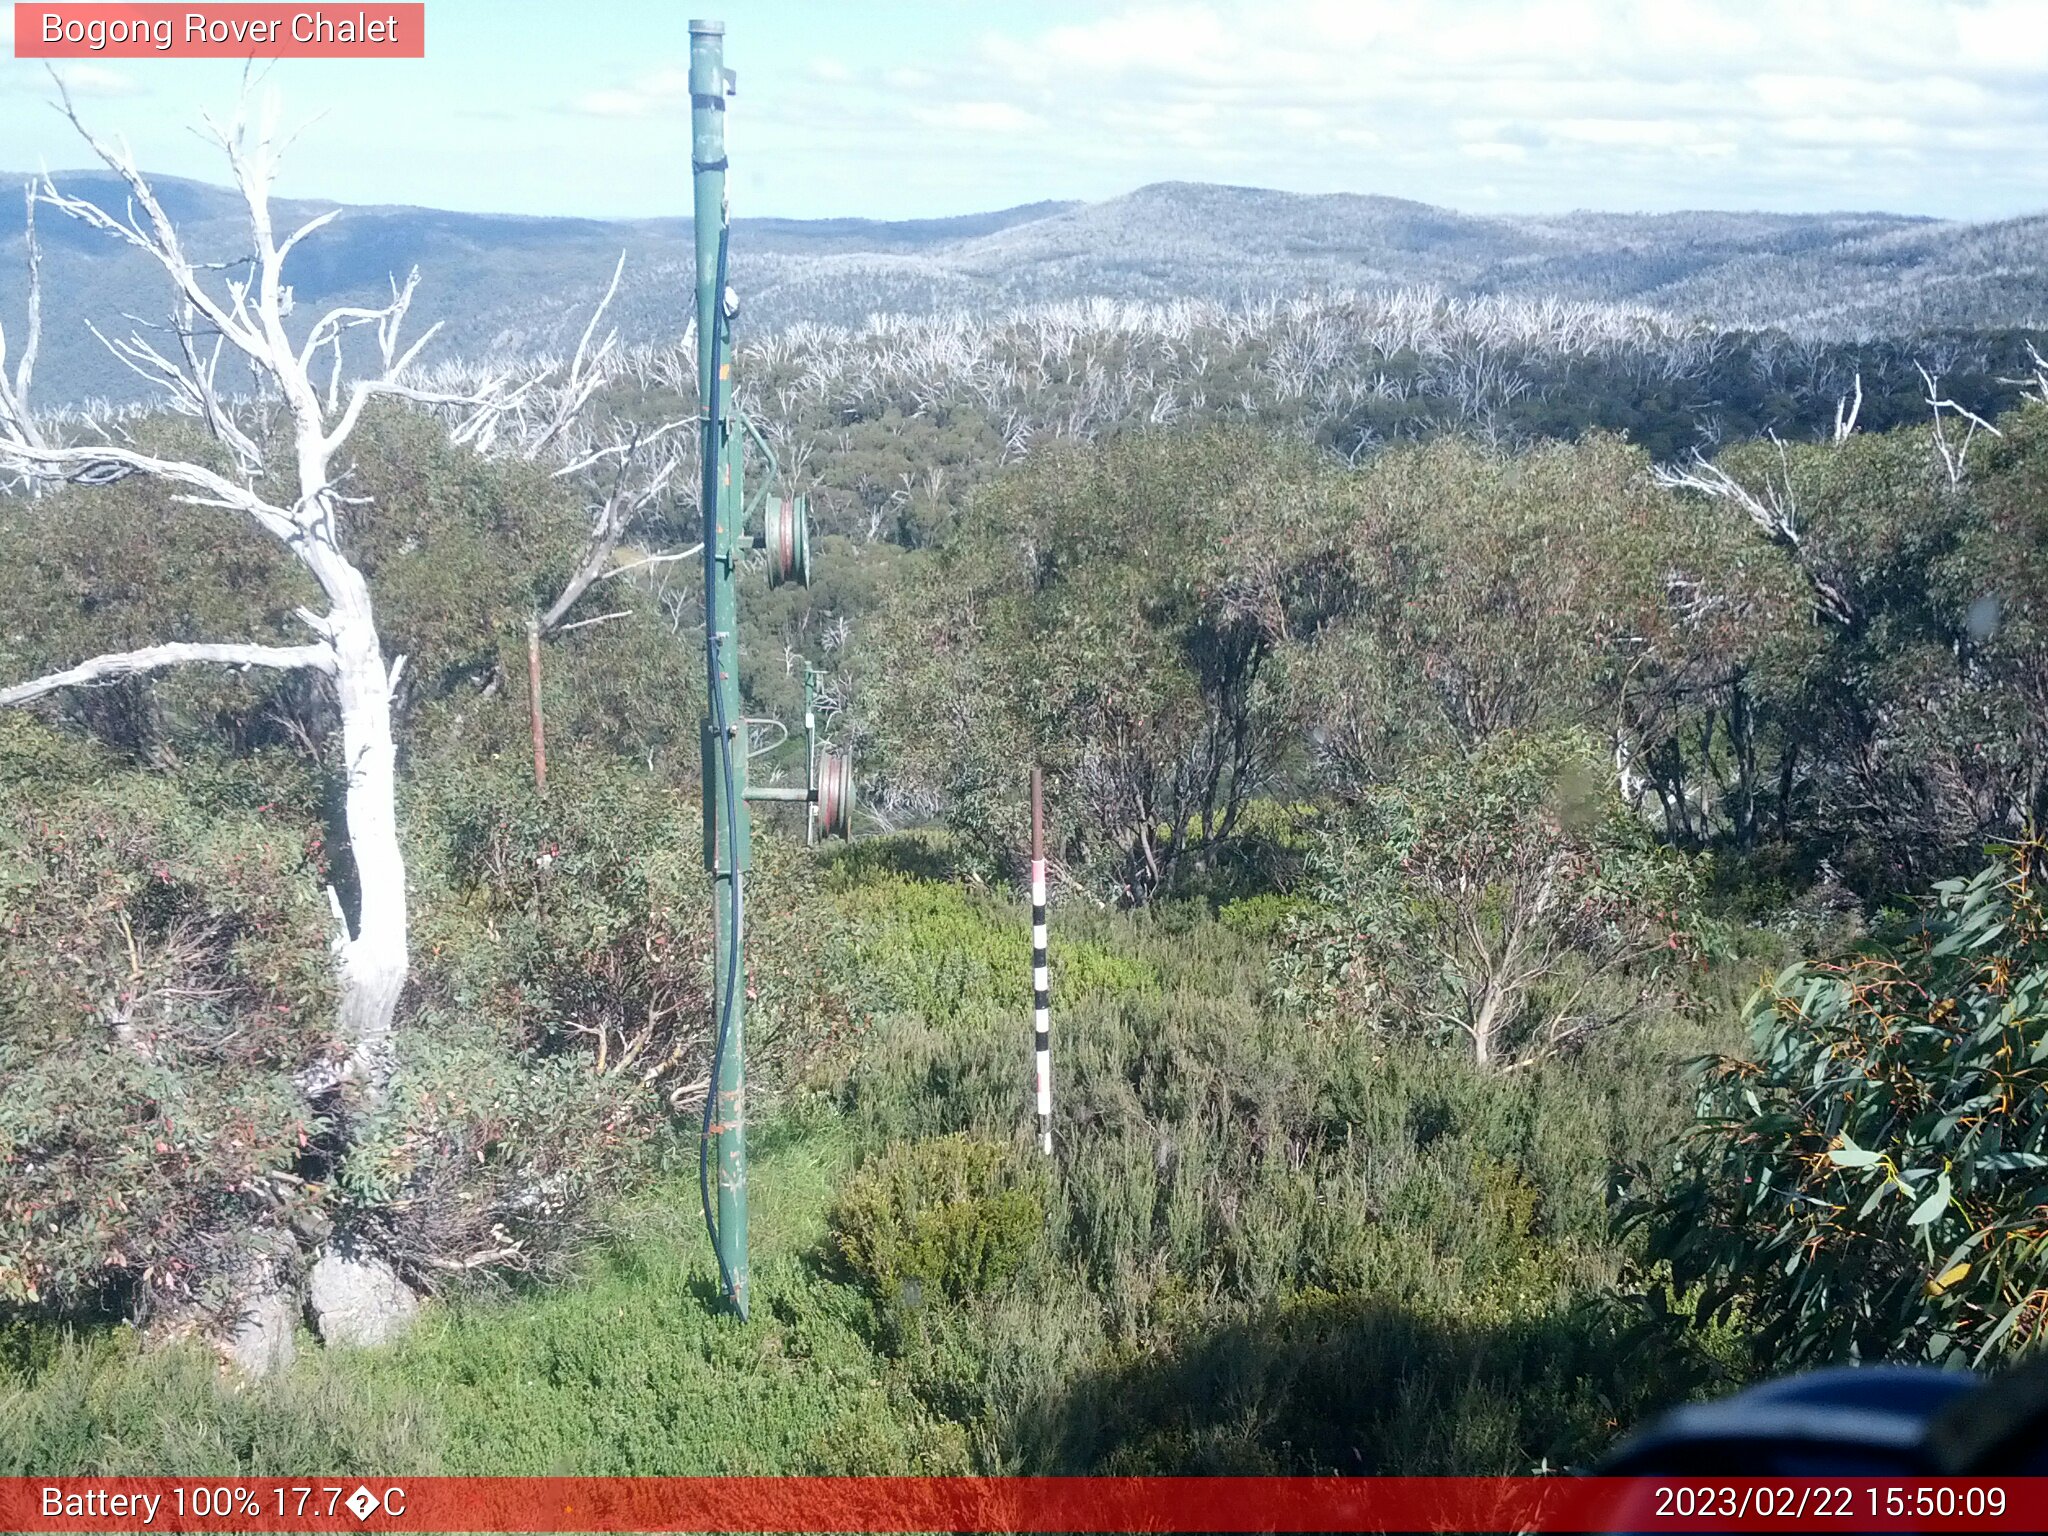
pixel 892 109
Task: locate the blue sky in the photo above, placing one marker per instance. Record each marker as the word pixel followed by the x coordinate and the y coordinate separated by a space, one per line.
pixel 892 109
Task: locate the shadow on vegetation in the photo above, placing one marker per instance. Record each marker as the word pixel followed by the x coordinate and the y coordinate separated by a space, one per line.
pixel 1362 1385
pixel 906 855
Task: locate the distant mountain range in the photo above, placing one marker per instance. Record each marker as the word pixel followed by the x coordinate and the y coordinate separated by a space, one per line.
pixel 507 284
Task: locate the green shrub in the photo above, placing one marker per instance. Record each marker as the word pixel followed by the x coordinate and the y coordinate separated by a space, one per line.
pixel 562 1013
pixel 1355 1384
pixel 1504 899
pixel 941 954
pixel 954 1217
pixel 1150 579
pixel 487 1162
pixel 1870 1182
pixel 1264 916
pixel 631 1370
pixel 578 922
pixel 163 974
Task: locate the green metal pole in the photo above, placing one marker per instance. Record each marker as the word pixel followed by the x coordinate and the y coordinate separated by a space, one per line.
pixel 726 831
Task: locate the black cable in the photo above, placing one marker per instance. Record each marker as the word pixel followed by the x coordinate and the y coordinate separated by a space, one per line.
pixel 731 992
pixel 713 452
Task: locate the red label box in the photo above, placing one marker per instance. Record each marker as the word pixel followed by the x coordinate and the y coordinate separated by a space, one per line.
pixel 387 1506
pixel 372 30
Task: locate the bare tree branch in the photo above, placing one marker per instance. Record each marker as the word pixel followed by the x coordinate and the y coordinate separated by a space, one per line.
pixel 1955 457
pixel 602 618
pixel 2036 384
pixel 646 560
pixel 15 419
pixel 104 463
pixel 1775 513
pixel 155 658
pixel 160 240
pixel 627 499
pixel 583 381
pixel 486 403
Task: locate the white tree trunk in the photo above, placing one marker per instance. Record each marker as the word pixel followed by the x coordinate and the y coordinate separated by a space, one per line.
pixel 376 956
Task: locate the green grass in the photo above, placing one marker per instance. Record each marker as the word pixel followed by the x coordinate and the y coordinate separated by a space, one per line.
pixel 96 1404
pixel 630 1369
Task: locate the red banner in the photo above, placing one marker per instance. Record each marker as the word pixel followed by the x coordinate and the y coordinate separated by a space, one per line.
pixel 212 31
pixel 1024 1504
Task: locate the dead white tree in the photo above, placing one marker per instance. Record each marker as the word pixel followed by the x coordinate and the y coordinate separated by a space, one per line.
pixel 1847 410
pixel 2036 382
pixel 632 492
pixel 1955 457
pixel 1774 511
pixel 15 418
pixel 241 311
pixel 625 468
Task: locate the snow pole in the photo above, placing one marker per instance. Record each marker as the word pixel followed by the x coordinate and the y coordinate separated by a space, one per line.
pixel 1041 990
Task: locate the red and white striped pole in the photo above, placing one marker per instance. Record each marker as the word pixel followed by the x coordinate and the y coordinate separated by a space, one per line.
pixel 1041 998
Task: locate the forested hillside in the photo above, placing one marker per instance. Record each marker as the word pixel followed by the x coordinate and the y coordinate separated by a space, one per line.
pixel 1500 753
pixel 514 287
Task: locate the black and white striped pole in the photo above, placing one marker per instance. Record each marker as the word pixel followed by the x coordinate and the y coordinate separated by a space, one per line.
pixel 1041 991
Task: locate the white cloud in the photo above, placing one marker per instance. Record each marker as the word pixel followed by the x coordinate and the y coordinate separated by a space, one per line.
pixel 1919 105
pixel 82 77
pixel 979 117
pixel 618 103
pixel 665 91
pixel 1602 102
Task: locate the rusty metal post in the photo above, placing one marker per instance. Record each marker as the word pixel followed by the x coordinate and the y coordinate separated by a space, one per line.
pixel 540 735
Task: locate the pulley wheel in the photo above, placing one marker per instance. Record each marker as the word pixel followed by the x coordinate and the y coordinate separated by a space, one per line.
pixel 787 539
pixel 835 795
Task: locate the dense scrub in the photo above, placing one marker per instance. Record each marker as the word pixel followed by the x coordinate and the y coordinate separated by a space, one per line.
pixel 163 980
pixel 1816 664
pixel 632 1370
pixel 166 846
pixel 1258 1248
pixel 1247 1211
pixel 1505 901
pixel 1414 820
